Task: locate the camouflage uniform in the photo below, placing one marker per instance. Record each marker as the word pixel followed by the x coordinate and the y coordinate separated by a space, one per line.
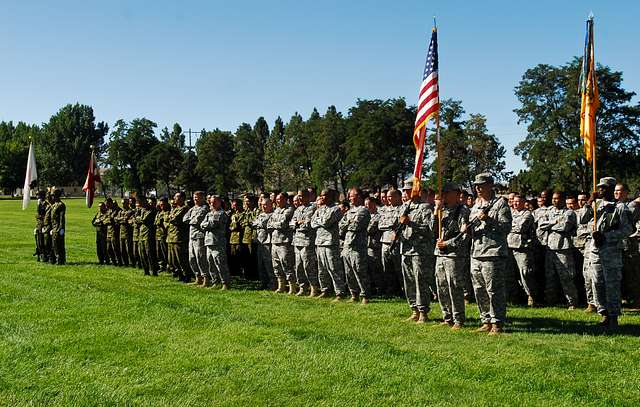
pixel 248 253
pixel 215 226
pixel 162 249
pixel 416 248
pixel 540 251
pixel 98 223
pixel 488 259
pixel 46 232
pixel 262 243
pixel 306 263
pixel 126 237
pixel 451 264
pixel 113 236
pixel 177 242
pixel 604 263
pixel 235 242
pixel 560 225
pixel 520 243
pixel 58 212
pixel 38 232
pixel 374 252
pixel 196 247
pixel 631 258
pixel 354 253
pixel 583 231
pixel 325 222
pixel 282 255
pixel 391 263
pixel 135 237
pixel 145 219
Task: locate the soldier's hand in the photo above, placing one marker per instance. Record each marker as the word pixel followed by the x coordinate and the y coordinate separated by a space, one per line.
pixel 404 219
pixel 482 216
pixel 464 228
pixel 593 197
pixel 393 236
pixel 440 244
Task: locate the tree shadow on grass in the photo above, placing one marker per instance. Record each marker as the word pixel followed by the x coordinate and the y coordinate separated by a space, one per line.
pixel 570 327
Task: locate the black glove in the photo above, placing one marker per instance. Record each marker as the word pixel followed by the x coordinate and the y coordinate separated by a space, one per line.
pixel 598 238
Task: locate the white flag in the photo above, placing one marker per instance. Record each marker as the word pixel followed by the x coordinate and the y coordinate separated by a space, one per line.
pixel 32 175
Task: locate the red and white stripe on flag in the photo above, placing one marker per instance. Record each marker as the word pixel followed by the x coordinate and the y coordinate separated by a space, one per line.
pixel 93 177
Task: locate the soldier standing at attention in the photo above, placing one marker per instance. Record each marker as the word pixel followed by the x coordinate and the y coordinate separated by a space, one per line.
pixel 196 247
pixel 58 212
pixel 520 242
pixel 235 238
pixel 262 243
pixel 416 246
pixel 306 263
pixel 603 251
pixel 113 235
pixel 145 219
pixel 215 227
pixel 390 253
pixel 125 231
pixel 452 256
pixel 630 253
pixel 39 236
pixel 177 237
pixel 584 229
pixel 161 234
pixel 325 222
pixel 490 223
pixel 46 230
pixel 560 225
pixel 135 234
pixel 354 253
pixel 98 222
pixel 281 249
pixel 374 247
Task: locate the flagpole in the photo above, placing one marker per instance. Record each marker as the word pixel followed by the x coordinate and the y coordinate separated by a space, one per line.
pixel 440 172
pixel 592 65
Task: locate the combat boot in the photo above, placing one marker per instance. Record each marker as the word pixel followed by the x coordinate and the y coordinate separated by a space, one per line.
pixel 485 328
pixel 207 282
pixel 199 281
pixel 338 298
pixel 530 301
pixel 225 286
pixel 353 299
pixel 282 283
pixel 414 316
pixel 323 294
pixel 301 291
pixel 315 291
pixel 422 318
pixel 365 301
pixel 293 288
pixel 496 329
pixel 590 309
pixel 456 327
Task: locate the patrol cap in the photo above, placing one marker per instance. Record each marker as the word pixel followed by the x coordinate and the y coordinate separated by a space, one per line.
pixel 483 178
pixel 607 182
pixel 450 186
pixel 407 185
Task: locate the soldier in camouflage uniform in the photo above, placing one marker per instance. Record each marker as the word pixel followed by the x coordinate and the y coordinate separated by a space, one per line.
pixel 235 237
pixel 374 248
pixel 215 226
pixel 46 230
pixel 520 241
pixel 416 245
pixel 161 235
pixel 325 222
pixel 262 243
pixel 113 232
pixel 145 219
pixel 354 253
pixel 583 230
pixel 58 213
pixel 99 224
pixel 197 249
pixel 452 256
pixel 540 246
pixel 490 222
pixel 135 233
pixel 390 253
pixel 282 254
pixel 38 231
pixel 306 263
pixel 248 255
pixel 126 233
pixel 630 253
pixel 560 224
pixel 603 251
pixel 177 239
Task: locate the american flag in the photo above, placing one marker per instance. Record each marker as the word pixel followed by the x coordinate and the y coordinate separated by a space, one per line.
pixel 429 100
pixel 428 107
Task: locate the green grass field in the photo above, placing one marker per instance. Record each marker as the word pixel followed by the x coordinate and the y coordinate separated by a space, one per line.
pixel 83 334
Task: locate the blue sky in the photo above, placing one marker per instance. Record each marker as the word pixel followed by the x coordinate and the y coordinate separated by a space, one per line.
pixel 208 64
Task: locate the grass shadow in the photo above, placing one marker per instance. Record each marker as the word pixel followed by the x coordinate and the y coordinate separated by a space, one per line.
pixel 555 326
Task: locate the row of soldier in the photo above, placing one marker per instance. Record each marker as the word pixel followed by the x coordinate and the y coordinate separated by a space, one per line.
pixel 386 243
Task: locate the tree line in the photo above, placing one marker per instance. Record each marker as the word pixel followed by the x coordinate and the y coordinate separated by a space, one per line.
pixel 368 145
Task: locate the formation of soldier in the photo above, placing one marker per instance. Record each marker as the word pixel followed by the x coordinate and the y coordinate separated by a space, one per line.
pixel 454 249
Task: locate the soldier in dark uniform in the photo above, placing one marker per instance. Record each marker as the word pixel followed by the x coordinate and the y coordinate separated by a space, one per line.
pixel 46 230
pixel 161 234
pixel 125 232
pixel 38 232
pixel 177 239
pixel 58 213
pixel 98 222
pixel 113 232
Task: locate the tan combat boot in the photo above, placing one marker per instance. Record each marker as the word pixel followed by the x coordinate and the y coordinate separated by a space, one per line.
pixel 199 280
pixel 315 291
pixel 484 328
pixel 293 288
pixel 282 284
pixel 338 298
pixel 590 309
pixel 496 329
pixel 207 282
pixel 456 327
pixel 353 299
pixel 530 301
pixel 225 286
pixel 301 291
pixel 422 318
pixel 365 301
pixel 414 316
